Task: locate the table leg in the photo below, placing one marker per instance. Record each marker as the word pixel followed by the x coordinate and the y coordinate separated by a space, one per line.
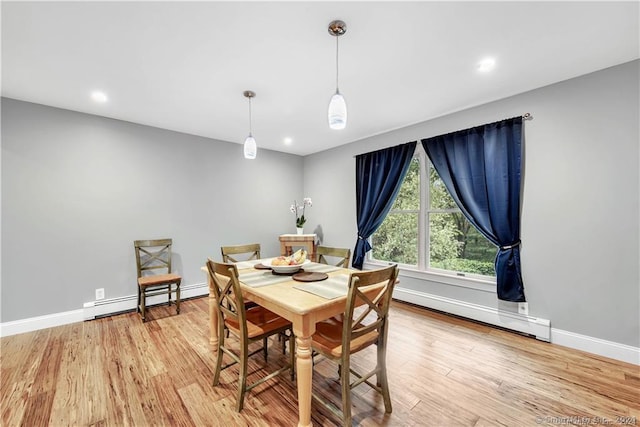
pixel 304 374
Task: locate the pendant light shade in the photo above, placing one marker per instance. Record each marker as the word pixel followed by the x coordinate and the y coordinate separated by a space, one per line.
pixel 337 113
pixel 250 147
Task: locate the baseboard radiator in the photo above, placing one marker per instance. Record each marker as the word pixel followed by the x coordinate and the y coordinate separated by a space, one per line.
pixel 111 306
pixel 540 328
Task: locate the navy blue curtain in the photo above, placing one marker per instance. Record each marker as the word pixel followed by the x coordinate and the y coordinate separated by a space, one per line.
pixel 379 176
pixel 481 169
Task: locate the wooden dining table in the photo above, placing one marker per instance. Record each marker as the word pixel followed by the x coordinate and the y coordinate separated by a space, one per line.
pixel 302 308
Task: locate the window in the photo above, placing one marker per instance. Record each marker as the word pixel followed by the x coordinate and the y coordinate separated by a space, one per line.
pixel 426 230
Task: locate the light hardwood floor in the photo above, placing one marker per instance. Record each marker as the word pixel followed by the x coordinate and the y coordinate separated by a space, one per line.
pixel 443 371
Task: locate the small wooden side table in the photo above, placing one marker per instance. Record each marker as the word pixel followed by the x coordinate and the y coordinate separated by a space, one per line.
pixel 308 241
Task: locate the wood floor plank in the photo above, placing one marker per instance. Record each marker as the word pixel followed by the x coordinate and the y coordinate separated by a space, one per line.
pixel 14 402
pixel 171 409
pixel 192 397
pixel 443 371
pixel 69 389
pixel 92 373
pixel 38 408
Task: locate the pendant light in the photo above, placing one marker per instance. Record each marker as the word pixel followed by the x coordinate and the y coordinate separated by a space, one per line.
pixel 250 148
pixel 337 113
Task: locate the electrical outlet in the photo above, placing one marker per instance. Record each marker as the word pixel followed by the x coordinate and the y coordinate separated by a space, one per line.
pixel 99 294
pixel 523 308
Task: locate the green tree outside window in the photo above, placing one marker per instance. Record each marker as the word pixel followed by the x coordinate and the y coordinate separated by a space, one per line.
pixel 451 242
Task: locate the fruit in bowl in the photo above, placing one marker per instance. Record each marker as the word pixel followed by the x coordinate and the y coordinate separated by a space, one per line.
pixel 282 260
pixel 289 264
pixel 297 258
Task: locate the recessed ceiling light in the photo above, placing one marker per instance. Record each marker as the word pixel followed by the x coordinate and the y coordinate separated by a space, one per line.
pixel 288 141
pixel 99 96
pixel 486 64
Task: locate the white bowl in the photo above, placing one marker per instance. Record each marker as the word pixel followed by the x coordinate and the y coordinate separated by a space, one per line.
pixel 285 268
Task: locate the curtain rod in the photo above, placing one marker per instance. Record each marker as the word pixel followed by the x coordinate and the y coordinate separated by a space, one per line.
pixel 525 116
pixel 384 148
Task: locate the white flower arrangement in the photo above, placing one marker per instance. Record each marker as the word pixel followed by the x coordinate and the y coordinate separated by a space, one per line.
pixel 295 208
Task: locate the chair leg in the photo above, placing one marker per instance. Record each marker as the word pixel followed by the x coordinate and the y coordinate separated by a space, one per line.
pixel 282 336
pixel 143 304
pixel 138 305
pixel 292 355
pixel 345 379
pixel 242 377
pixel 382 377
pixel 265 353
pixel 177 299
pixel 284 343
pixel 216 375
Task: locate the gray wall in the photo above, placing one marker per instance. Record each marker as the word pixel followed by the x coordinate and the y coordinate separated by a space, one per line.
pixel 580 217
pixel 78 189
pixel 72 184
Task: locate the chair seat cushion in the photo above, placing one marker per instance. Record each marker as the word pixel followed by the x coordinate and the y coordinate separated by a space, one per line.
pixel 260 321
pixel 328 338
pixel 159 279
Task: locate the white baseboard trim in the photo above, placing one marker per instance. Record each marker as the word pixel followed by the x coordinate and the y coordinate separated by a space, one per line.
pixel 541 328
pixel 40 322
pixel 93 309
pixel 613 350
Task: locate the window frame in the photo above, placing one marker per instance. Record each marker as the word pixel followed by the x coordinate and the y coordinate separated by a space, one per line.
pixel 423 270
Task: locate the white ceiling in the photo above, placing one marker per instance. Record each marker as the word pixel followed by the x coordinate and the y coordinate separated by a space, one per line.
pixel 183 66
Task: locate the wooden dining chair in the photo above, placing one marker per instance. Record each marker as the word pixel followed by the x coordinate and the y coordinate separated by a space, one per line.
pixel 337 339
pixel 154 256
pixel 334 256
pixel 248 325
pixel 251 251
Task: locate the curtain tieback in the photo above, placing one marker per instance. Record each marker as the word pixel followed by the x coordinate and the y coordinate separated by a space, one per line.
pixel 511 246
pixel 360 237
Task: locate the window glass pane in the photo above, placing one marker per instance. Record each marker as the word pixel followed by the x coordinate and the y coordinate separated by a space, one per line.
pixel 455 245
pixel 397 239
pixel 438 194
pixel 409 194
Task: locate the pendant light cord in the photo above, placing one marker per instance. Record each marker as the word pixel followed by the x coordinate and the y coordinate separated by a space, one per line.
pixel 337 90
pixel 250 128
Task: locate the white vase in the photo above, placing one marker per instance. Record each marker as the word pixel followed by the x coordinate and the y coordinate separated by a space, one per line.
pixel 299 230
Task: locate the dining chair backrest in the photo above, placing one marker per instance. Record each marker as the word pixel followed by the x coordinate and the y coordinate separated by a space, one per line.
pixel 373 310
pixel 153 256
pixel 229 300
pixel 334 256
pixel 229 253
